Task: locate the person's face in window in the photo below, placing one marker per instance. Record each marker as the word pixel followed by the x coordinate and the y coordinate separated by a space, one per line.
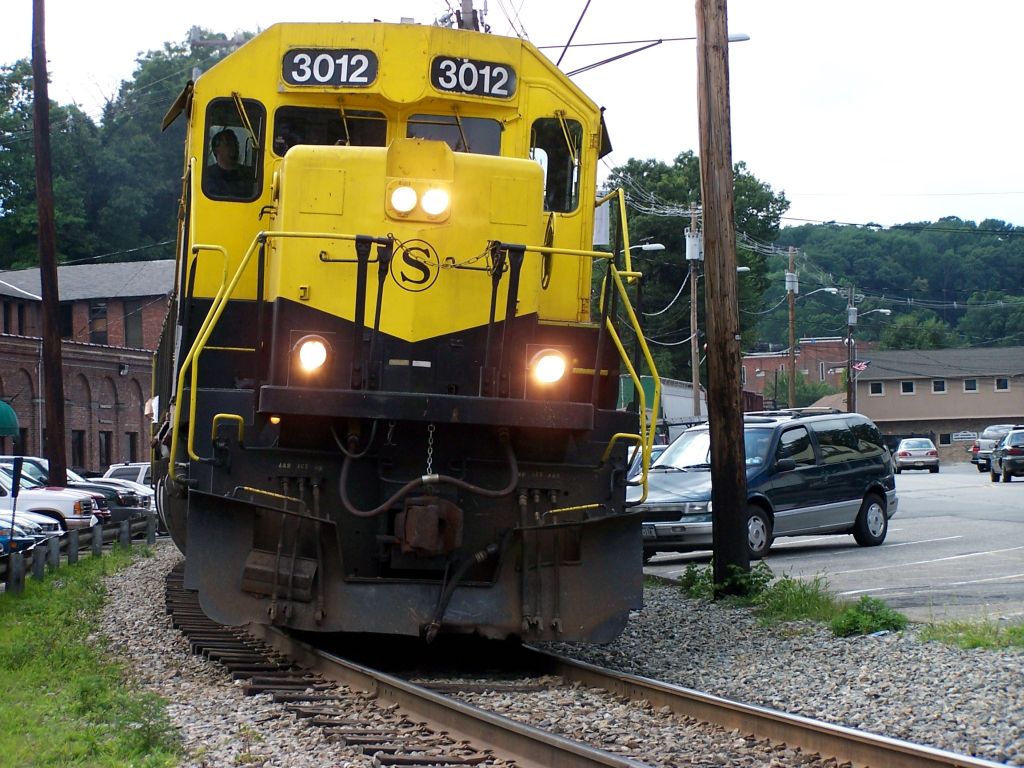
pixel 225 150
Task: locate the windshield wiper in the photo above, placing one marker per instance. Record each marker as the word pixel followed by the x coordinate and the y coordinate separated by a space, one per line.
pixel 696 466
pixel 671 467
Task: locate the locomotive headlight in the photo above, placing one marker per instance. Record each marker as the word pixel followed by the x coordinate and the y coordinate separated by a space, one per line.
pixel 403 199
pixel 435 201
pixel 548 366
pixel 312 351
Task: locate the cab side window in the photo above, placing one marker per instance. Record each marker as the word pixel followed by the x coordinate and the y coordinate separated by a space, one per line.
pixel 556 144
pixel 835 440
pixel 796 444
pixel 233 157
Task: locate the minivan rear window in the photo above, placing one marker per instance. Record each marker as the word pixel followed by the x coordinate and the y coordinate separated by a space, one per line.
pixel 836 441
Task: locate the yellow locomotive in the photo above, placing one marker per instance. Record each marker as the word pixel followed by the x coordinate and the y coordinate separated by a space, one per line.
pixel 386 402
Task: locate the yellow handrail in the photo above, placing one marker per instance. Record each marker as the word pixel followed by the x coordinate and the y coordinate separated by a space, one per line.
pixel 224 293
pixel 188 363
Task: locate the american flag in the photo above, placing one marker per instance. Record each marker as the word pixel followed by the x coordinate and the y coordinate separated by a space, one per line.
pixel 862 365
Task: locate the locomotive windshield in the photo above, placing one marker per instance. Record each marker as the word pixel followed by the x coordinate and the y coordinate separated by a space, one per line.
pixel 479 135
pixel 340 127
pixel 232 167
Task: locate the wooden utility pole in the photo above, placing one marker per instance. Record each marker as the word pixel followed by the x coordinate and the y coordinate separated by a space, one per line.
pixel 721 300
pixel 53 374
pixel 851 320
pixel 791 278
pixel 694 336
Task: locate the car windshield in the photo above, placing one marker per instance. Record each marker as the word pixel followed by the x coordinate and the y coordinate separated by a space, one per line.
pixel 991 433
pixel 691 450
pixel 916 445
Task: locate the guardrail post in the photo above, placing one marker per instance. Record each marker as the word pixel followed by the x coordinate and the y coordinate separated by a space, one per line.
pixel 16 573
pixel 150 529
pixel 97 540
pixel 53 552
pixel 72 546
pixel 124 534
pixel 38 563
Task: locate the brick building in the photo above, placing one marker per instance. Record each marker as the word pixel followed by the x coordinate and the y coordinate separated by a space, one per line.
pixel 110 321
pixel 816 359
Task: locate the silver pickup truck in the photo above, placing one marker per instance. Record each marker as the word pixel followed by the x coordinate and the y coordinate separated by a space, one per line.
pixel 981 450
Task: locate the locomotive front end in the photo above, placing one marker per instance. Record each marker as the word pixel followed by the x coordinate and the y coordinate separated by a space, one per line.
pixel 409 425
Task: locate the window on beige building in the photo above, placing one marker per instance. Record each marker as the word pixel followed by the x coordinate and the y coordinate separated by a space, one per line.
pixel 1002 384
pixel 938 386
pixel 875 388
pixel 906 387
pixel 970 385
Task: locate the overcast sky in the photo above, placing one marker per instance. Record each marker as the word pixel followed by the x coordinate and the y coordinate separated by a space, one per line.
pixel 884 111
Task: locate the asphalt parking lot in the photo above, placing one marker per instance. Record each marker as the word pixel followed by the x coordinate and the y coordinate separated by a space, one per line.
pixel 955 550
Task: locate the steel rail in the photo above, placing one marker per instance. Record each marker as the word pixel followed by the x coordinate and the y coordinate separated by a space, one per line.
pixel 844 744
pixel 530 747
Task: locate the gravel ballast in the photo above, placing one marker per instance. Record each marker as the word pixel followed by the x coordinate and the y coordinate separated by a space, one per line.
pixel 970 702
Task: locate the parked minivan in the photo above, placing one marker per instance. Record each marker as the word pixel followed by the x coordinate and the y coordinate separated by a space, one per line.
pixel 808 473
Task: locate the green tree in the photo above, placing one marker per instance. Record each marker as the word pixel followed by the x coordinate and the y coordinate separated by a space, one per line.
pixel 807 392
pixel 73 145
pixel 659 195
pixel 917 331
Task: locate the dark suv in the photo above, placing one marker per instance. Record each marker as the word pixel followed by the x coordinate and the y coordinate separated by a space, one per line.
pixel 1007 459
pixel 808 473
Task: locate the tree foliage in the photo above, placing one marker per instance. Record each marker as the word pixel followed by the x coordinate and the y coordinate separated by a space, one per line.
pixel 948 283
pixel 666 294
pixel 807 392
pixel 117 183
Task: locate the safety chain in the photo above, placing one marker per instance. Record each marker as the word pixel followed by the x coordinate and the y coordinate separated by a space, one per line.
pixel 430 450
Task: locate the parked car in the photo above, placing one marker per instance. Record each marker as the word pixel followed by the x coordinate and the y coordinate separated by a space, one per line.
pixel 139 471
pixel 107 506
pixel 70 508
pixel 1007 459
pixel 916 453
pixel 144 492
pixel 981 450
pixel 806 475
pixel 634 465
pixel 14 539
pixel 34 524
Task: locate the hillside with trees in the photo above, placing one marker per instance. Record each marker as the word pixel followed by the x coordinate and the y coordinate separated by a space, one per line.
pixel 950 283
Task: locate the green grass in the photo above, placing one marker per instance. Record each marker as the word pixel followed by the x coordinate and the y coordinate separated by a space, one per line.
pixel 975 634
pixel 777 600
pixel 63 700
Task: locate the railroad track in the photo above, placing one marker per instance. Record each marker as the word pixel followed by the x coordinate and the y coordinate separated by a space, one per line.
pixel 430 723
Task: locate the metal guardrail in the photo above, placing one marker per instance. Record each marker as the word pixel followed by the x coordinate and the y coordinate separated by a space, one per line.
pixel 14 566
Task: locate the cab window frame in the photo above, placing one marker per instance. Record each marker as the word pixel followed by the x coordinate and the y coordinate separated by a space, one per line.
pixel 562 172
pixel 214 123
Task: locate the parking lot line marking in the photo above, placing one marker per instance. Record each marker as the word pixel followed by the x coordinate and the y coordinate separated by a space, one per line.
pixel 919 541
pixel 927 562
pixel 982 581
pixel 864 591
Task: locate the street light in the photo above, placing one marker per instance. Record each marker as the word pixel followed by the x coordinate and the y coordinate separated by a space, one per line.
pixel 851 320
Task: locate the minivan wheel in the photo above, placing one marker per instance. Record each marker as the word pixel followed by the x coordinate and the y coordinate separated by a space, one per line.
pixel 992 474
pixel 1007 477
pixel 759 532
pixel 980 466
pixel 872 523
